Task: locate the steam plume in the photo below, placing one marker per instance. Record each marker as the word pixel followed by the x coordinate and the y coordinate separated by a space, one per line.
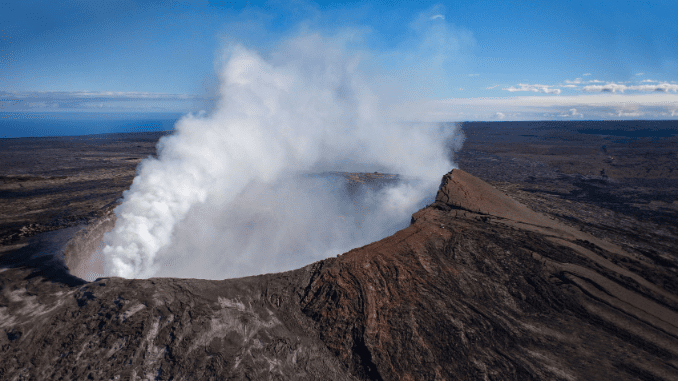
pixel 233 193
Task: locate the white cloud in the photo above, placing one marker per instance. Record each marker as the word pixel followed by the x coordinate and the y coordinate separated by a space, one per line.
pixel 491 87
pixel 578 80
pixel 87 100
pixel 639 74
pixel 474 75
pixel 608 88
pixel 648 81
pixel 546 89
pixel 627 114
pixel 499 116
pixel 572 113
pixel 595 81
pixel 602 106
pixel 662 87
pixel 586 74
pixel 93 94
pixel 614 88
pixel 569 86
pixel 442 17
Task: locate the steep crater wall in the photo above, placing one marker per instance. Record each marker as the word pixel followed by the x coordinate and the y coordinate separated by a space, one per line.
pixel 83 254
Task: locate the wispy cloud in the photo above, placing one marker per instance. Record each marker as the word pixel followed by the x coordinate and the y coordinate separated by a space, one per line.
pixel 97 100
pixel 93 94
pixel 608 88
pixel 434 17
pixel 586 74
pixel 600 106
pixel 474 75
pixel 576 81
pixel 627 114
pixel 546 89
pixel 615 87
pixel 639 74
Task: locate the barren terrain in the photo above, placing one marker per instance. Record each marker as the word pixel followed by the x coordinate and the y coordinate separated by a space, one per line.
pixel 550 255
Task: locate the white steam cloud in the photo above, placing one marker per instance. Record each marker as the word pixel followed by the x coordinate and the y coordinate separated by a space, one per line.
pixel 248 189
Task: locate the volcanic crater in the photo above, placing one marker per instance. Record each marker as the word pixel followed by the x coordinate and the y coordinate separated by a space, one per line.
pixel 522 271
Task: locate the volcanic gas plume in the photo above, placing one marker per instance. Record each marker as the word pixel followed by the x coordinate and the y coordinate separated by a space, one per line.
pixel 244 189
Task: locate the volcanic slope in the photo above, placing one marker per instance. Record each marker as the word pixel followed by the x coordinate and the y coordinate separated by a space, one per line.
pixel 478 286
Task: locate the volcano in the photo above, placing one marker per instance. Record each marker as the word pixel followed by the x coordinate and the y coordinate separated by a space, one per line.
pixel 478 286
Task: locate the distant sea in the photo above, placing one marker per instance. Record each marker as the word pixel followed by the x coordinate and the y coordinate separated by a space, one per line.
pixel 41 124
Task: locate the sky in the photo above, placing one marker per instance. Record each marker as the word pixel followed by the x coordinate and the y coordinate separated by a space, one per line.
pixel 453 61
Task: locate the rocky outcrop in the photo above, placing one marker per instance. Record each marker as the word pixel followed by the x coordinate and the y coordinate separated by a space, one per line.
pixel 477 287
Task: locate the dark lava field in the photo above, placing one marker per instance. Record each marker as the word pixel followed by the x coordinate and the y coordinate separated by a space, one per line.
pixel 551 254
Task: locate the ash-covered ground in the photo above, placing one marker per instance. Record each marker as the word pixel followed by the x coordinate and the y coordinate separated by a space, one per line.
pixel 617 180
pixel 561 264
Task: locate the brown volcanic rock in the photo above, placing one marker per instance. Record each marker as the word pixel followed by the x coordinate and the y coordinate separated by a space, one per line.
pixel 159 329
pixel 477 287
pixel 464 191
pixel 472 296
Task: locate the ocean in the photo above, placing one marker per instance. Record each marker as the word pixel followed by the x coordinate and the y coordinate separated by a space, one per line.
pixel 43 124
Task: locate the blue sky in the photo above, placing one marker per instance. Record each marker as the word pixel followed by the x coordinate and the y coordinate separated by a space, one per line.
pixel 473 60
